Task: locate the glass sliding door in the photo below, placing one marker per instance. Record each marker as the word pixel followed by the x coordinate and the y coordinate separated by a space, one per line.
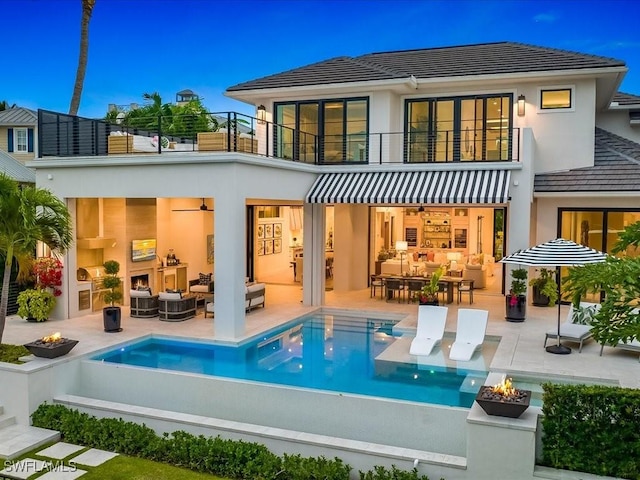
pixel 459 129
pixel 418 114
pixel 308 132
pixel 324 131
pixel 285 129
pixel 357 131
pixel 333 146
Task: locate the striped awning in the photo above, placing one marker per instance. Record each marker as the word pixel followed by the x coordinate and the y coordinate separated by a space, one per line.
pixel 429 187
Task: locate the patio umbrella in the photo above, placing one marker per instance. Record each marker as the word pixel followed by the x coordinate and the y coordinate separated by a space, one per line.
pixel 556 253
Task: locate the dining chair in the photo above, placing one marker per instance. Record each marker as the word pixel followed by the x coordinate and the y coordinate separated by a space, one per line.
pixel 413 289
pixel 393 285
pixel 465 286
pixel 376 282
pixel 443 288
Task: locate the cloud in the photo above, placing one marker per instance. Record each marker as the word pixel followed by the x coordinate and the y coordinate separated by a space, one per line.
pixel 545 18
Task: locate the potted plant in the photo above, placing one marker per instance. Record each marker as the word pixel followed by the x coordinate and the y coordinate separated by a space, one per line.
pixel 429 293
pixel 545 288
pixel 516 300
pixel 111 315
pixel 35 304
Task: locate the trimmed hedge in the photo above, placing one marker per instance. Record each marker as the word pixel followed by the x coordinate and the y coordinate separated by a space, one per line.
pixel 228 458
pixel 593 429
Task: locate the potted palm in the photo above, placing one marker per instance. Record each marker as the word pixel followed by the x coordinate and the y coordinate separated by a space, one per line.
pixel 516 300
pixel 111 314
pixel 545 288
pixel 429 293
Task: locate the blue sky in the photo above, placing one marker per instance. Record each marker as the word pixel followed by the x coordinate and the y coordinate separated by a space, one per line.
pixel 139 46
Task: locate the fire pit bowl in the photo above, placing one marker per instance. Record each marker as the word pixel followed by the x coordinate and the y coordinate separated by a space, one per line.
pixel 505 403
pixel 51 346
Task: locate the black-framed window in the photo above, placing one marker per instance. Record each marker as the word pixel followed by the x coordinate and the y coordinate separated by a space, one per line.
pixel 556 99
pixel 323 131
pixel 453 129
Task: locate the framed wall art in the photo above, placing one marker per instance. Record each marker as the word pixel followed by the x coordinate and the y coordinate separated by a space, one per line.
pixel 277 230
pixel 268 247
pixel 261 247
pixel 268 230
pixel 277 245
pixel 260 231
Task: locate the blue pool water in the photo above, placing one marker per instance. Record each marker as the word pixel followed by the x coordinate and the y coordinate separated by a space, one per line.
pixel 326 352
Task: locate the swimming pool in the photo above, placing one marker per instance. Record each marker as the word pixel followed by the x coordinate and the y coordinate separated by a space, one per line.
pixel 327 352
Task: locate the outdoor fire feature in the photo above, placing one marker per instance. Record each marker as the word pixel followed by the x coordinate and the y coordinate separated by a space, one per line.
pixel 51 346
pixel 503 399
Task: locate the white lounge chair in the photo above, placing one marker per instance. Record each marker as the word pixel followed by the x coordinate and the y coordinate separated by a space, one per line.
pixel 632 346
pixel 470 331
pixel 430 329
pixel 570 331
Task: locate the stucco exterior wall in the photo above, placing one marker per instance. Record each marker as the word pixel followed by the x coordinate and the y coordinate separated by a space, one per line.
pixel 617 121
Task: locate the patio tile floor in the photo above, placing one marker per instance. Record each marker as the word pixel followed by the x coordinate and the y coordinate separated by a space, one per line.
pixel 520 350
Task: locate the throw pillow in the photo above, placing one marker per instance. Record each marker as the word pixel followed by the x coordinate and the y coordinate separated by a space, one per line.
pixel 583 315
pixel 205 278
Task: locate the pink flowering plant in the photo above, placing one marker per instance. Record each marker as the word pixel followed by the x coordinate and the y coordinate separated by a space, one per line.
pixel 48 274
pixel 518 284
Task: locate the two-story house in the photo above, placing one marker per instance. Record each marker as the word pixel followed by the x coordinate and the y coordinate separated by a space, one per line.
pixel 457 155
pixel 18 133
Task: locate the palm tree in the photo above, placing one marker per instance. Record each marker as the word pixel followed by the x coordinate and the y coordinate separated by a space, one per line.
pixel 87 9
pixel 27 215
pixel 5 106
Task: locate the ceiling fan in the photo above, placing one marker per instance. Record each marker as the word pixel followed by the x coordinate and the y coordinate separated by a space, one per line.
pixel 202 208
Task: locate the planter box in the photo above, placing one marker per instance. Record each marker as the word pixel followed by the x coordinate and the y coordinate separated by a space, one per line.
pixel 502 407
pixel 517 312
pixel 51 349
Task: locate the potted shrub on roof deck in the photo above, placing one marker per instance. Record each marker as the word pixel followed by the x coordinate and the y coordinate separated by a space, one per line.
pixel 545 288
pixel 516 300
pixel 111 315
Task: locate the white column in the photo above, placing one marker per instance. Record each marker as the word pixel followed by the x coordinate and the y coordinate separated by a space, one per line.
pixel 313 279
pixel 229 264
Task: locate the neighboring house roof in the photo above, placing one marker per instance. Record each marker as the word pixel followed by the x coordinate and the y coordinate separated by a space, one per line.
pixel 15 169
pixel 622 98
pixel 466 60
pixel 616 169
pixel 18 117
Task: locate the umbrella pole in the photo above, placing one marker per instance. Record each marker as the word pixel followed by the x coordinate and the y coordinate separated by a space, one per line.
pixel 558 348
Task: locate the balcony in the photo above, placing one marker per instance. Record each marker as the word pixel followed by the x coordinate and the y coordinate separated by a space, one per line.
pixel 62 135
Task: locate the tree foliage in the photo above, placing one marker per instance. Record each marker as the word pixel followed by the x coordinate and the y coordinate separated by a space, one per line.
pixel 27 215
pixel 619 279
pixel 87 10
pixel 177 120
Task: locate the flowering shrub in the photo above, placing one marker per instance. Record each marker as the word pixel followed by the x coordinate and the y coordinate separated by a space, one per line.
pixel 48 274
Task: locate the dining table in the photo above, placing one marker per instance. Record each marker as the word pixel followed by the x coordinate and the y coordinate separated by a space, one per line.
pixel 451 281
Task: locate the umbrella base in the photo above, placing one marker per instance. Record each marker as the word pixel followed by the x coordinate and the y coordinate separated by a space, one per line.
pixel 558 349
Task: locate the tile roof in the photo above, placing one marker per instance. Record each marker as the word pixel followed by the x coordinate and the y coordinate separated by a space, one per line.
pixel 19 117
pixel 15 169
pixel 626 98
pixel 466 60
pixel 616 169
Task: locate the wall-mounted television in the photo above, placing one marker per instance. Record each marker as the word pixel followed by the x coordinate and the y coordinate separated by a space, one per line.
pixel 143 250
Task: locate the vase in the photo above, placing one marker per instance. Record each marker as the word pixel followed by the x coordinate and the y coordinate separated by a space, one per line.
pixel 539 300
pixel 111 319
pixel 51 349
pixel 501 406
pixel 516 311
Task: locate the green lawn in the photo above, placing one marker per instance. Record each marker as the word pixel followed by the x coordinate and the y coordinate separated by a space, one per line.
pixel 125 468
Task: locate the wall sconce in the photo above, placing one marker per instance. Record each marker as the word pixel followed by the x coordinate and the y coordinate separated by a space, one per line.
pixel 521 101
pixel 261 114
